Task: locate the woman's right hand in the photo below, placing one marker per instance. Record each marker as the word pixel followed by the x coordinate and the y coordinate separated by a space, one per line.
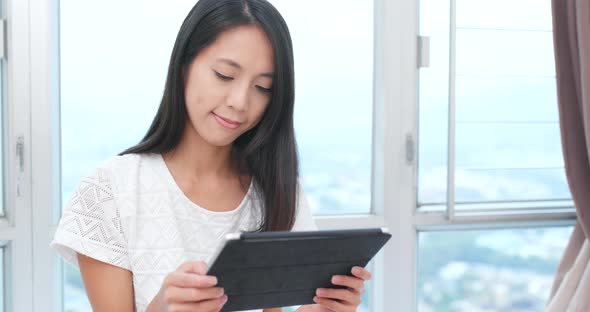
pixel 189 289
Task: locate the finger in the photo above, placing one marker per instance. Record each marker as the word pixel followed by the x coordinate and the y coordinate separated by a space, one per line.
pixel 177 294
pixel 330 304
pixel 361 273
pixel 209 305
pixel 345 295
pixel 198 267
pixel 358 292
pixel 179 279
pixel 319 308
pixel 348 281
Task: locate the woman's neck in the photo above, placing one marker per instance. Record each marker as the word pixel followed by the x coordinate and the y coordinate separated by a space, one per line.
pixel 199 159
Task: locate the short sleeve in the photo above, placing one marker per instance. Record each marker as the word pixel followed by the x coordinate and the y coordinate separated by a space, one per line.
pixel 91 224
pixel 304 219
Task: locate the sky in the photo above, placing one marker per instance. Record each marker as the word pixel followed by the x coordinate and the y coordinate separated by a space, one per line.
pixel 507 141
pixel 112 78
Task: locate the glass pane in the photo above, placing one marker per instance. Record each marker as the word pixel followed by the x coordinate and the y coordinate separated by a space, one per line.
pixel 522 15
pixel 508 145
pixel 109 96
pixel 492 99
pixel 335 160
pixel 505 185
pixel 507 137
pixel 433 96
pixel 121 105
pixel 503 52
pixel 334 101
pixel 75 295
pixel 509 161
pixel 488 270
pixel 1 279
pixel 2 116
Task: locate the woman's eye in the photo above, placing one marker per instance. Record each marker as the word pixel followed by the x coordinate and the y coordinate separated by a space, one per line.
pixel 223 77
pixel 263 89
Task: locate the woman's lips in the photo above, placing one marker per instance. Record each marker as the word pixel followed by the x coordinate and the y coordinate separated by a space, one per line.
pixel 226 123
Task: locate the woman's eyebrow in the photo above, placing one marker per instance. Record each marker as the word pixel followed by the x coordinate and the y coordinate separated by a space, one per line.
pixel 229 62
pixel 233 63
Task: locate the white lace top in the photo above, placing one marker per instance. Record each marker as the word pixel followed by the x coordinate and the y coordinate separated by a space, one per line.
pixel 130 213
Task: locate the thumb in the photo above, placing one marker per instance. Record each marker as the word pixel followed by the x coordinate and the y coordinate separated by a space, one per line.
pixel 198 267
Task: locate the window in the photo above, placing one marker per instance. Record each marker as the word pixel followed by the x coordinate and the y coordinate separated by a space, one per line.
pixel 490 157
pixel 504 94
pixel 75 298
pixel 15 188
pixel 1 278
pixel 497 270
pixel 122 113
pixel 334 100
pixel 119 83
pixel 451 153
pixel 335 153
pixel 2 125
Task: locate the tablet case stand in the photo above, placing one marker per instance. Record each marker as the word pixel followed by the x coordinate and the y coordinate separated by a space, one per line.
pixel 277 269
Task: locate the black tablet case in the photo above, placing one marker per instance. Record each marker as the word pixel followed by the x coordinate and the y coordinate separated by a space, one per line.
pixel 277 269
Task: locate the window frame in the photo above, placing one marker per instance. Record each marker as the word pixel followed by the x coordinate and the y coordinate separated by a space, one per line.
pixel 33 80
pixel 16 225
pixel 528 214
pixel 45 146
pixel 40 22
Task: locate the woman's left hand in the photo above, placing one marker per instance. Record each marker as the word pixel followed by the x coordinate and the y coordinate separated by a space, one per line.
pixel 341 300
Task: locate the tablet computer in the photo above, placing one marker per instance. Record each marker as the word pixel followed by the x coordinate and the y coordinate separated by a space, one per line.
pixel 278 269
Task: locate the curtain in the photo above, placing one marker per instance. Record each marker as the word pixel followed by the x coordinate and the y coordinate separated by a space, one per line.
pixel 571 37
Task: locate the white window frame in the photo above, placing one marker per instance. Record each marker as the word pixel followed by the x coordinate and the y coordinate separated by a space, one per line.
pixel 45 149
pixel 16 226
pixel 37 45
pixel 35 273
pixel 486 216
pixel 393 166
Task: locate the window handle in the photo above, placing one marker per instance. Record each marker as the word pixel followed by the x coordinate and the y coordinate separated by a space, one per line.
pixel 20 152
pixel 423 51
pixel 410 149
pixel 2 38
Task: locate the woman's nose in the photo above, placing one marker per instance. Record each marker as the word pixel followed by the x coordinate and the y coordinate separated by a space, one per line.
pixel 238 98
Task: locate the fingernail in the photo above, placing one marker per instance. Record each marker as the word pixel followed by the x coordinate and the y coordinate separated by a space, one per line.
pixel 315 299
pixel 214 280
pixel 320 292
pixel 335 279
pixel 224 299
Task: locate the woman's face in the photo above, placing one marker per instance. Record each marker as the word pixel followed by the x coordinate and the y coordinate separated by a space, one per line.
pixel 228 85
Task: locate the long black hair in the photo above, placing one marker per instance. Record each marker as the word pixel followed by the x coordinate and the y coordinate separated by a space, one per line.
pixel 267 152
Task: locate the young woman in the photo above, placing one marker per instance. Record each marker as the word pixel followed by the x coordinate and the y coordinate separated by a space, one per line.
pixel 219 157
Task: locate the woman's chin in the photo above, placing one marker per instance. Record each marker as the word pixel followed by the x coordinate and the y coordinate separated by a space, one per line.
pixel 220 141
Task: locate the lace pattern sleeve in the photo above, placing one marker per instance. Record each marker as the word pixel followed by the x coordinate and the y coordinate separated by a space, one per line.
pixel 91 224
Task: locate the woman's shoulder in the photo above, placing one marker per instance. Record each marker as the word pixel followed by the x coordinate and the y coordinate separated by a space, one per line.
pixel 127 164
pixel 123 171
pixel 128 161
